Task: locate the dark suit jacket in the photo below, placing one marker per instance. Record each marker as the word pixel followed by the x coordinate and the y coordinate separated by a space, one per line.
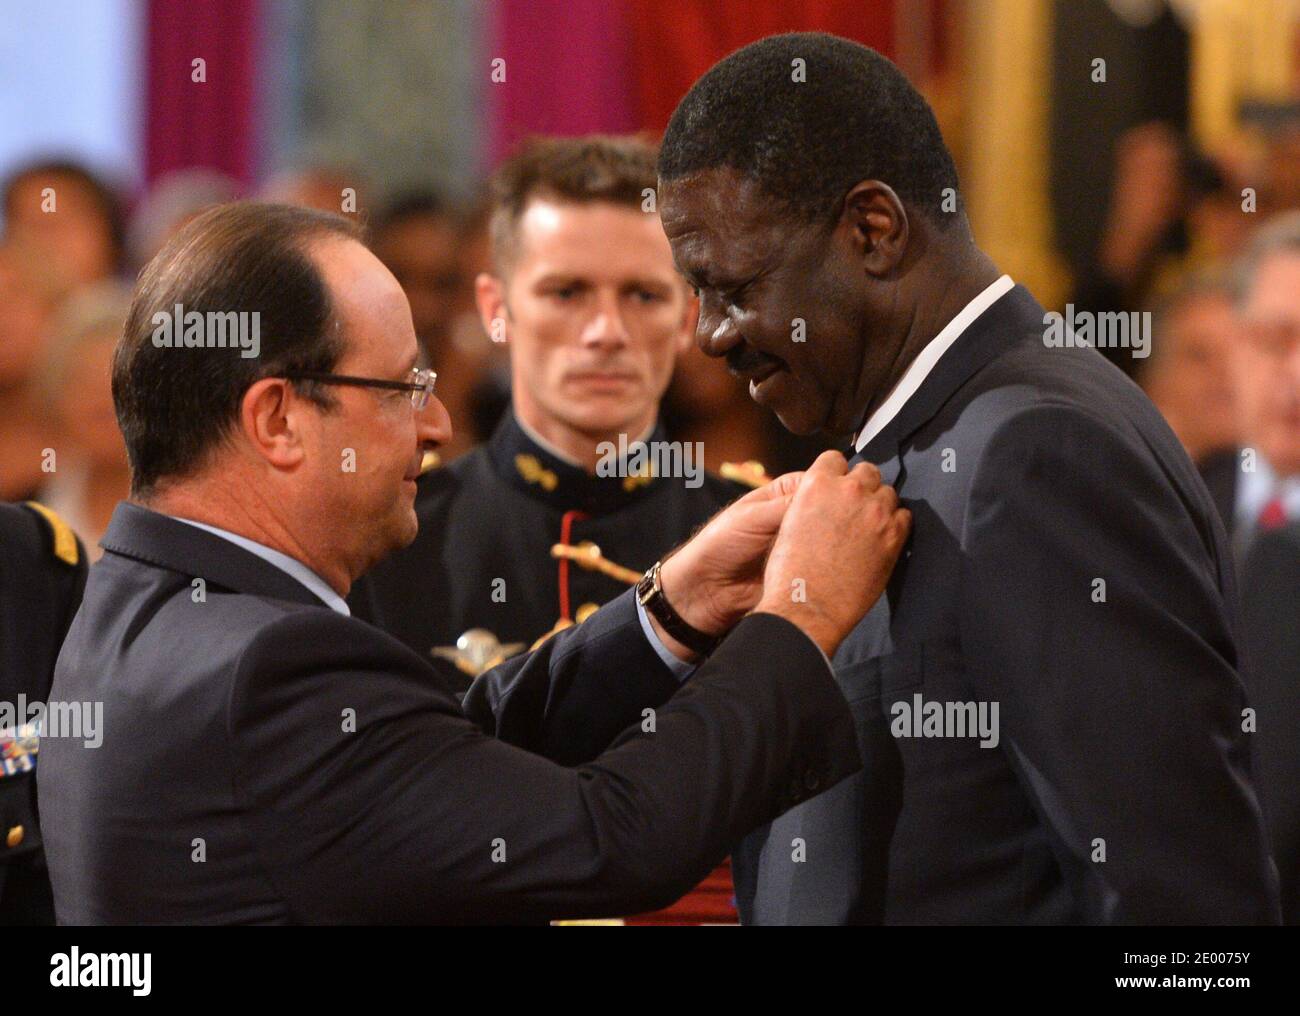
pixel 268 760
pixel 1270 597
pixel 1035 474
pixel 1220 471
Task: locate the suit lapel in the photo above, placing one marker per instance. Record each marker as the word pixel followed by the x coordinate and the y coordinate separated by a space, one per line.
pixel 988 336
pixel 164 542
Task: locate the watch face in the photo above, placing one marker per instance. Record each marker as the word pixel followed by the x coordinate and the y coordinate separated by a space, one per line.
pixel 646 589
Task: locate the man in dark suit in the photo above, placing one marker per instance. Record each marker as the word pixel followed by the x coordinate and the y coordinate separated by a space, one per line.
pixel 1270 621
pixel 267 758
pixel 1256 487
pixel 1048 704
pixel 42 575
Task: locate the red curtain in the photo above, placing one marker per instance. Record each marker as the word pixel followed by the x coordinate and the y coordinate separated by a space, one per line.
pixel 209 122
pixel 675 41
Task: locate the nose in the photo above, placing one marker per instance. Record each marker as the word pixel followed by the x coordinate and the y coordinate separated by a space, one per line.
pixel 715 333
pixel 607 329
pixel 433 424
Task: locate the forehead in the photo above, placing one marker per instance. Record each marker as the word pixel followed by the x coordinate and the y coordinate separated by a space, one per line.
pixel 1276 287
pixel 718 219
pixel 368 301
pixel 596 240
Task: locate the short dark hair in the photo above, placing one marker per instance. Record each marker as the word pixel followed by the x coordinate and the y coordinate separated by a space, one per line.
pixel 415 203
pixel 176 404
pixel 806 142
pixel 105 198
pixel 584 170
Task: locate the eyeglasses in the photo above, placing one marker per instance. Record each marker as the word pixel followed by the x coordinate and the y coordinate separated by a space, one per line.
pixel 420 385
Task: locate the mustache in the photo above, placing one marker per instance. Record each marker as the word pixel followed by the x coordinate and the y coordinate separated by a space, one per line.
pixel 745 359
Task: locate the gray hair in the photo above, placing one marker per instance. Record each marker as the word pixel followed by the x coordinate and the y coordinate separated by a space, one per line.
pixel 1278 234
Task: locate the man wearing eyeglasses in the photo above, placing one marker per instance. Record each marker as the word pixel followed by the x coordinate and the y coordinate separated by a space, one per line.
pixel 264 757
pixel 1257 490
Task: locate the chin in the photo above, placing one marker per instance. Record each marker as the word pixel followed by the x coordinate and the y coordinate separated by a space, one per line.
pixel 800 416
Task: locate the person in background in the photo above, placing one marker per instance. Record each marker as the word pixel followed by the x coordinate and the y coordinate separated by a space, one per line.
pixel 42 575
pixel 1270 621
pixel 171 202
pixel 529 533
pixel 417 236
pixel 1256 487
pixel 31 288
pixel 90 474
pixel 74 218
pixel 1187 374
pixel 325 186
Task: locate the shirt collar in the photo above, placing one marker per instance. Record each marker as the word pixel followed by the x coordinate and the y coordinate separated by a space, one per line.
pixel 925 360
pixel 292 567
pixel 1259 486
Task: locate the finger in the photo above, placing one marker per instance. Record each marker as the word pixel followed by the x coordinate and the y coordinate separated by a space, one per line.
pixel 831 462
pixel 887 496
pixel 866 474
pixel 764 516
pixel 902 520
pixel 783 486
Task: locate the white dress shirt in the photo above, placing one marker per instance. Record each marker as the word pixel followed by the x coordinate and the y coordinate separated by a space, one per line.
pixel 1258 487
pixel 919 369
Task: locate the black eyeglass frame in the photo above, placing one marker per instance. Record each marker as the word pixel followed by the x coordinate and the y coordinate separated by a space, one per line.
pixel 420 389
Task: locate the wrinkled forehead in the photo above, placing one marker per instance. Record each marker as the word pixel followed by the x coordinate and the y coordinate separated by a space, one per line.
pixel 718 215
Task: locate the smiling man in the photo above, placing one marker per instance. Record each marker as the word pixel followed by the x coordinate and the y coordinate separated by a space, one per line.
pixel 1066 564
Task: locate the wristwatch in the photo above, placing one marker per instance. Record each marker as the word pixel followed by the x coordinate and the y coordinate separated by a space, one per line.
pixel 650 594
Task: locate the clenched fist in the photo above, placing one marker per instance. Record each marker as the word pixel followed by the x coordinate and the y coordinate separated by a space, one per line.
pixel 837 545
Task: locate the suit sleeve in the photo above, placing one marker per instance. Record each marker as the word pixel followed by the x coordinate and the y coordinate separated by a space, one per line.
pixel 371 797
pixel 1109 646
pixel 571 714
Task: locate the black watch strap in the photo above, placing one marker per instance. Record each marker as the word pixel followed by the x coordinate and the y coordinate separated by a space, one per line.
pixel 650 593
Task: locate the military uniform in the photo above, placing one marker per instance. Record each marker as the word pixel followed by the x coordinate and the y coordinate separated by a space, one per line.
pixel 516 543
pixel 42 575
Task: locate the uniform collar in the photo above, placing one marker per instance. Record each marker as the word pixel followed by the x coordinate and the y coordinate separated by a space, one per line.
pixel 540 472
pixel 1001 322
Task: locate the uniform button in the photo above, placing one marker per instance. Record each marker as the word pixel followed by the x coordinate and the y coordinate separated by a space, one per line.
pixel 812 780
pixel 15 837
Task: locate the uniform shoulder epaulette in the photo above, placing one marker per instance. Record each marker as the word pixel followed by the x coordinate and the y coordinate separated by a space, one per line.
pixel 751 473
pixel 63 541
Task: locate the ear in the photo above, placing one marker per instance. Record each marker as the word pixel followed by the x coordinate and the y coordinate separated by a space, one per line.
pixel 270 418
pixel 876 225
pixel 490 295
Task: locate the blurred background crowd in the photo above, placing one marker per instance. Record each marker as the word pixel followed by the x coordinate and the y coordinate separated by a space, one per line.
pixel 1116 155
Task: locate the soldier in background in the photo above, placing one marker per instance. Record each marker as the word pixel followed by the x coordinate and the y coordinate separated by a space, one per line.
pixel 561 511
pixel 42 575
